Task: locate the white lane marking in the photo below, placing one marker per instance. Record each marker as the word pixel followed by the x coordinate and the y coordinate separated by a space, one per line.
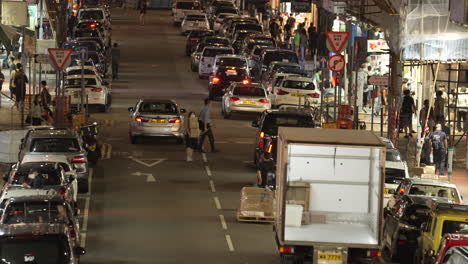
pixel 86 210
pixel 204 157
pixel 149 176
pixel 149 165
pixel 223 222
pixel 208 171
pixel 229 243
pixel 103 150
pixel 217 203
pixel 109 151
pixel 213 189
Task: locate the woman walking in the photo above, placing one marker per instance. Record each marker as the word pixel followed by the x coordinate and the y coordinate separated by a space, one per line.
pixel 142 12
pixel 192 134
pixel 36 111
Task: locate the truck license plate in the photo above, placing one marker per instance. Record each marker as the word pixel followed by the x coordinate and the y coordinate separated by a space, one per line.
pixel 329 257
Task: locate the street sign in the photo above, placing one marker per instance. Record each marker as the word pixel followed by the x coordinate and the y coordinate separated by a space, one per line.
pixel 42 58
pixel 83 53
pixel 336 63
pixel 323 62
pixel 60 58
pixel 337 40
pixel 378 80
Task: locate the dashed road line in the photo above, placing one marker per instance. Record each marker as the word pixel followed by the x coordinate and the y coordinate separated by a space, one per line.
pixel 84 229
pixel 229 243
pixel 204 158
pixel 208 171
pixel 217 202
pixel 213 189
pixel 223 222
pixel 106 151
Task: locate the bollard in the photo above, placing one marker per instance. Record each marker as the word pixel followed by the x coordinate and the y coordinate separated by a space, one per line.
pixel 450 163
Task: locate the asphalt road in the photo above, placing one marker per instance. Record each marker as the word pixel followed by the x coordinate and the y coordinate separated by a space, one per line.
pixel 147 204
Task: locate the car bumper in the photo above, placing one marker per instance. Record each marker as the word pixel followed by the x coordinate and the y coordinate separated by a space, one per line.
pixel 156 131
pixel 248 109
pixel 295 101
pixel 186 29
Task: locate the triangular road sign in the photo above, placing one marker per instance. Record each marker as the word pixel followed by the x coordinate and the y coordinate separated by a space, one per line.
pixel 60 57
pixel 337 40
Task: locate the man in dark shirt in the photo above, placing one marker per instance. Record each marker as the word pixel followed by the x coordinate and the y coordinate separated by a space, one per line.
pixel 406 113
pixel 439 148
pixel 265 168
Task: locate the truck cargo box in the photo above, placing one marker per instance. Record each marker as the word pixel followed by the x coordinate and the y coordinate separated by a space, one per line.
pixel 342 173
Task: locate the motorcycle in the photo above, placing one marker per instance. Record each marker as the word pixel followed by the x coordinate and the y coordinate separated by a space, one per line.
pixel 89 134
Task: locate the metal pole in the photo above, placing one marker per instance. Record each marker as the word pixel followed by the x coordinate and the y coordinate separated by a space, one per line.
pixel 22 103
pixel 82 87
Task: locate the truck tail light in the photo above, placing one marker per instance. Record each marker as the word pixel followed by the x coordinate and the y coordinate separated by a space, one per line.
pixel 314 95
pixel 282 92
pixel 287 250
pixel 374 253
pixel 78 159
pixel 141 119
pixel 233 99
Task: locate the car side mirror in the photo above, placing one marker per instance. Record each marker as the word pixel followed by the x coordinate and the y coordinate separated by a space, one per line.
pixel 131 109
pixel 255 123
pixel 182 110
pixel 79 251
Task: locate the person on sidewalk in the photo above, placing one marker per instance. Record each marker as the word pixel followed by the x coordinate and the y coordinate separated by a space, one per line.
pixel 46 98
pixel 287 31
pixel 36 112
pixel 206 126
pixel 439 107
pixel 408 108
pixel 423 116
pixel 303 46
pixel 142 12
pixel 115 54
pixel 274 29
pixel 297 41
pixel 312 41
pixel 2 79
pixel 19 81
pixel 192 134
pixel 462 106
pixel 439 148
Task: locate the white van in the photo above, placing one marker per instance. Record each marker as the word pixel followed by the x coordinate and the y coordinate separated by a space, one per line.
pixel 209 54
pixel 181 7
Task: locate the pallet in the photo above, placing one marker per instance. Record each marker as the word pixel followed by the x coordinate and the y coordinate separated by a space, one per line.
pixel 256 219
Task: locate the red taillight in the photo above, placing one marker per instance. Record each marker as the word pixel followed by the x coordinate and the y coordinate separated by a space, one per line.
pixel 19 212
pixel 233 99
pixel 140 119
pixel 314 95
pixel 261 144
pixel 92 26
pixel 62 191
pixel 402 190
pixel 246 81
pixel 215 80
pixel 264 101
pixel 175 121
pixel 97 90
pixel 270 148
pixel 401 242
pixel 262 134
pixel 286 250
pixel 373 254
pixel 231 70
pixel 78 159
pixel 282 92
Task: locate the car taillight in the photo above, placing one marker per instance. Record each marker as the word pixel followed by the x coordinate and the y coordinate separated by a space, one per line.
pixel 282 92
pixel 231 70
pixel 233 99
pixel 215 80
pixel 264 101
pixel 175 121
pixel 373 253
pixel 62 191
pixel 286 250
pixel 97 90
pixel 140 119
pixel 262 134
pixel 314 95
pixel 92 26
pixel 246 81
pixel 78 159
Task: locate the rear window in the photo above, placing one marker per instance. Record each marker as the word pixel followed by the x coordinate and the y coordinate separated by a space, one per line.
pixel 187 5
pixel 54 145
pixel 283 56
pixel 233 62
pixel 453 227
pixel 158 108
pixel 394 176
pixel 49 173
pixel 36 212
pixel 249 91
pixel 272 122
pixel 226 10
pixel 251 44
pixel 302 85
pixel 78 72
pixel 51 249
pixel 92 14
pixel 222 41
pixel 215 52
pixel 277 66
pixel 449 193
pixel 77 81
pixel 195 18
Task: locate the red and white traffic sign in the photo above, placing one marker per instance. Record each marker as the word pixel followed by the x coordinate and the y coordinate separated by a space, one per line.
pixel 336 63
pixel 60 58
pixel 337 40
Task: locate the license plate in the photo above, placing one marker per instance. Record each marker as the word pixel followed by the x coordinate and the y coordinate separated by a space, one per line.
pixel 231 73
pixel 386 191
pixel 329 257
pixel 297 95
pixel 248 102
pixel 195 24
pixel 158 121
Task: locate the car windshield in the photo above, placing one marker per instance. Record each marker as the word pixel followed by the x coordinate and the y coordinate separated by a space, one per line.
pixel 449 193
pixel 214 52
pixel 272 122
pixel 451 227
pixel 87 34
pixel 221 41
pixel 78 72
pixel 279 65
pixel 195 18
pixel 48 249
pixel 48 175
pixel 199 34
pixel 284 56
pixel 54 145
pixel 253 27
pixel 416 214
pixel 302 85
pixel 393 155
pixel 77 81
pixel 249 91
pixel 36 212
pixel 187 5
pixel 221 16
pixel 158 108
pixel 233 62
pixel 91 14
pixel 394 176
pixel 251 43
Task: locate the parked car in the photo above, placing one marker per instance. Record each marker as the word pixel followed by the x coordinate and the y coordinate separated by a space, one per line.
pixel 98 14
pixel 273 68
pixel 396 170
pixel 207 59
pixel 194 37
pixel 156 118
pixel 270 55
pixel 207 41
pixel 453 249
pixel 231 61
pixel 256 39
pixel 244 98
pixel 89 24
pixel 180 7
pixel 222 78
pixel 254 58
pixel 238 38
pixel 193 21
pixel 218 20
pixel 295 90
pixel 97 93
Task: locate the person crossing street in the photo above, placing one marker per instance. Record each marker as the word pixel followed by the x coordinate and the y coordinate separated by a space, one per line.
pixel 206 127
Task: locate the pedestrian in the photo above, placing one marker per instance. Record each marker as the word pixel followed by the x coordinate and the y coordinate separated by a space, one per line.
pixel 36 112
pixel 317 79
pixel 46 98
pixel 439 107
pixel 192 134
pixel 274 29
pixel 462 106
pixel 408 107
pixel 439 148
pixel 265 170
pixel 297 41
pixel 426 114
pixel 287 35
pixel 312 41
pixel 2 79
pixel 142 12
pixel 362 84
pixel 206 126
pixel 18 81
pixel 115 54
pixel 303 46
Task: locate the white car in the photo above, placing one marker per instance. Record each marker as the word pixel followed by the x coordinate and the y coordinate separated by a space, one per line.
pixel 219 20
pixel 205 67
pixel 181 7
pixel 237 61
pixel 194 21
pixel 244 98
pixel 95 13
pixel 96 91
pixel 395 171
pixel 87 70
pixel 295 90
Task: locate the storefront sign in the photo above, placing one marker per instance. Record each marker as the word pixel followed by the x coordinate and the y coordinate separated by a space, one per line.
pixel 336 63
pixel 301 6
pixel 30 44
pixel 337 40
pixel 378 80
pixel 378 45
pixel 15 14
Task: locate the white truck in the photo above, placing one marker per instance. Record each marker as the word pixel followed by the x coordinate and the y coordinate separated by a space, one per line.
pixel 329 191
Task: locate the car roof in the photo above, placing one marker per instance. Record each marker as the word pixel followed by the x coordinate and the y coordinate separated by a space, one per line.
pixel 34 228
pixel 217 47
pixel 288 112
pixel 284 63
pixel 155 100
pixel 235 56
pixel 23 192
pixel 44 158
pixel 423 200
pixel 239 84
pixel 297 78
pixel 77 76
pixel 48 197
pixel 416 180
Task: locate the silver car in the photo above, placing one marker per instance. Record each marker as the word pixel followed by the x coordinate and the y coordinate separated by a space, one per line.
pixel 244 98
pixel 156 118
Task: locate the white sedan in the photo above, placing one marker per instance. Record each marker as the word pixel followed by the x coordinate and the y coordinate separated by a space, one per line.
pixel 96 91
pixel 295 90
pixel 194 21
pixel 244 97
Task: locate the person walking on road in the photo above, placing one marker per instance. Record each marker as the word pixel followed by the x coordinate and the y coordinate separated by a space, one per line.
pixel 406 113
pixel 462 105
pixel 206 126
pixel 439 148
pixel 142 12
pixel 192 134
pixel 18 82
pixel 266 167
pixel 115 54
pixel 312 41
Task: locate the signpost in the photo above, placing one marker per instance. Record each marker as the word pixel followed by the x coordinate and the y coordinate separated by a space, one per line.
pixel 323 62
pixel 83 57
pixel 336 63
pixel 336 41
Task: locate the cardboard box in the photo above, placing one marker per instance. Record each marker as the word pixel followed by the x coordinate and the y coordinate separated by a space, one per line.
pixel 298 193
pixel 256 202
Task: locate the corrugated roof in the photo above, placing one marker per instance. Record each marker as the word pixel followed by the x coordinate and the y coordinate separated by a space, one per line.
pixel 330 136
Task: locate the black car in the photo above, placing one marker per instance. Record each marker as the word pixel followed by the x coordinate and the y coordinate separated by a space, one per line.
pixel 257 39
pixel 223 77
pixel 238 39
pixel 269 123
pixel 194 37
pixel 270 55
pixel 402 226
